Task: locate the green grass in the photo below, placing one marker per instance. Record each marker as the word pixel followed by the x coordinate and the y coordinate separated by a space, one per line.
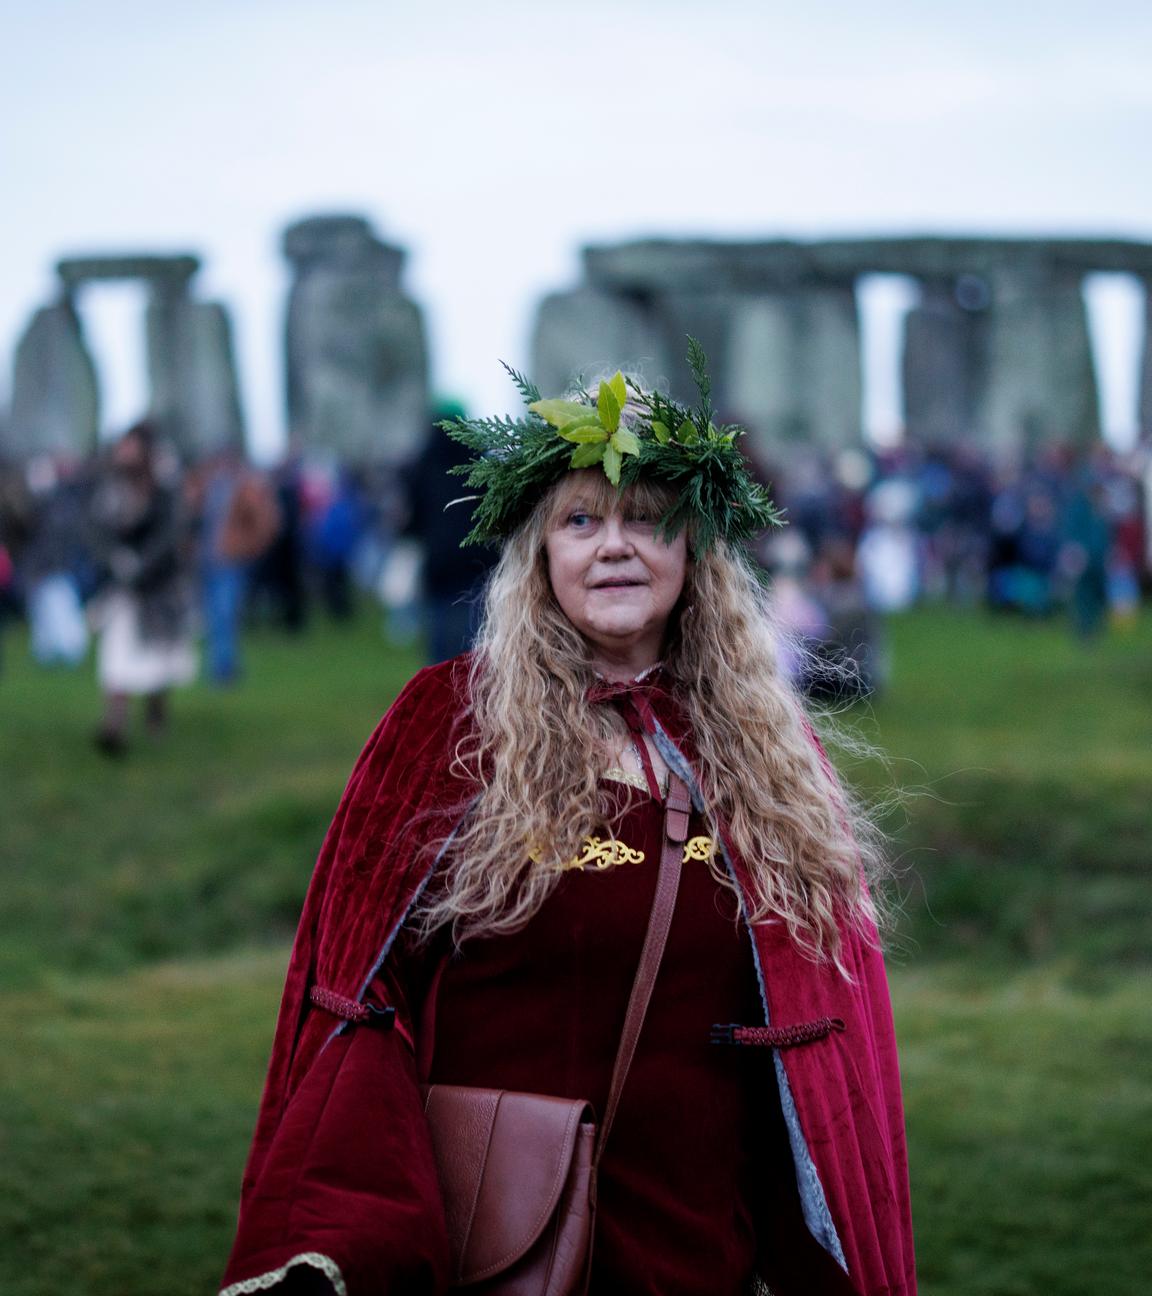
pixel 127 1106
pixel 146 908
pixel 1029 1109
pixel 198 843
pixel 1028 764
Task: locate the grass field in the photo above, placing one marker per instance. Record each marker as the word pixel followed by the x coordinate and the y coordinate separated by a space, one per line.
pixel 146 908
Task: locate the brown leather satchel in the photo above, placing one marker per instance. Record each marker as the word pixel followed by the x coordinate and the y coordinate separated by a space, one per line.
pixel 518 1171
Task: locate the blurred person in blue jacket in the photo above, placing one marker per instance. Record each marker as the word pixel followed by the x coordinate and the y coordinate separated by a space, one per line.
pixel 56 565
pixel 337 533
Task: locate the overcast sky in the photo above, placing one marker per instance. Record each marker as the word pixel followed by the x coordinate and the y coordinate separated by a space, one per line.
pixel 493 140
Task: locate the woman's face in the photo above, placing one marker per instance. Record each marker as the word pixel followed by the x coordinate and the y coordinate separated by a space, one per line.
pixel 613 578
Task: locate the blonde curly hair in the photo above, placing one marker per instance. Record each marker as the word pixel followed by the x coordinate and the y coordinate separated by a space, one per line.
pixel 537 748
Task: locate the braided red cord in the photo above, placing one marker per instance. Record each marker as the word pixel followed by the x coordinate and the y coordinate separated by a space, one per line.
pixel 787 1036
pixel 338 1005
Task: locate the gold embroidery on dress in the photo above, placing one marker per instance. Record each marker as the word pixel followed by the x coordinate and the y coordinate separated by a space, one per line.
pixel 699 848
pixel 604 853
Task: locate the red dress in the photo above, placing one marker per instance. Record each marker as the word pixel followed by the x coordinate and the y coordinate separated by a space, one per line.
pixel 676 1187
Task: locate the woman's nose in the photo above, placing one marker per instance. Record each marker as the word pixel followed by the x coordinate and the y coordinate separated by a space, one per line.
pixel 614 540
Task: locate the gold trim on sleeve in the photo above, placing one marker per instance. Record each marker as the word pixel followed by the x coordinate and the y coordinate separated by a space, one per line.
pixel 313 1259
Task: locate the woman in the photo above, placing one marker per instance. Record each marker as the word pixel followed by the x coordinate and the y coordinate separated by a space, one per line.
pixel 490 872
pixel 144 610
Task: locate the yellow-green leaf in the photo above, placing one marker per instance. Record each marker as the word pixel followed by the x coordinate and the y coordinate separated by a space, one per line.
pixel 661 433
pixel 585 456
pixel 609 407
pixel 584 433
pixel 559 412
pixel 686 433
pixel 626 442
pixel 619 389
pixel 612 464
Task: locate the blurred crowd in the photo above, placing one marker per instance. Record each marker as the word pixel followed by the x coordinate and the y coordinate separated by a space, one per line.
pixel 1057 533
pixel 164 563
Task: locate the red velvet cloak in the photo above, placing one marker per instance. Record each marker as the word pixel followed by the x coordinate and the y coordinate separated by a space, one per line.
pixel 341 1178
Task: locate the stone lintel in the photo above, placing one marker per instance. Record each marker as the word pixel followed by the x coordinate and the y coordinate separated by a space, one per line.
pixel 653 266
pixel 172 273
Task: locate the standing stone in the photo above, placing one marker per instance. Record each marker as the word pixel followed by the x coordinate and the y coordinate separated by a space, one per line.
pixel 587 333
pixel 357 366
pixel 793 366
pixel 1038 381
pixel 55 396
pixel 705 315
pixel 942 357
pixel 1146 373
pixel 195 396
pixel 829 378
pixel 762 359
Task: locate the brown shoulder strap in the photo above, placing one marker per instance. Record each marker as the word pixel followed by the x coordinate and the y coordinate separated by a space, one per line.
pixel 677 811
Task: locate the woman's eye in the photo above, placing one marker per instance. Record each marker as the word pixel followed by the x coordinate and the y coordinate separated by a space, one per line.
pixel 579 520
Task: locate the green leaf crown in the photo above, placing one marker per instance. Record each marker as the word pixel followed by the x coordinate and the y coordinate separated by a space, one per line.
pixel 519 459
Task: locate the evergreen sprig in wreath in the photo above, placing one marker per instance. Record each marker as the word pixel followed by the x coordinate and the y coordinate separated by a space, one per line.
pixel 519 458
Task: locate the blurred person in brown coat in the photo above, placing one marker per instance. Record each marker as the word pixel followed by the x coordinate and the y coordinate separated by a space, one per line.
pixel 237 520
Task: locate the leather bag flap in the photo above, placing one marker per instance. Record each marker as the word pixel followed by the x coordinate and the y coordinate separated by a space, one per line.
pixel 504 1159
